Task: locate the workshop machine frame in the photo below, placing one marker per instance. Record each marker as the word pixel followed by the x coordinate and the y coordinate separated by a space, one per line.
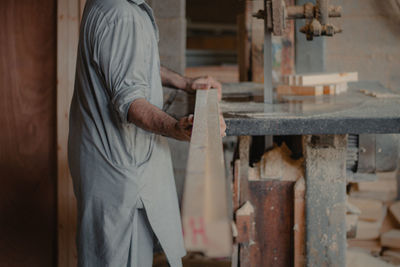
pixel 266 234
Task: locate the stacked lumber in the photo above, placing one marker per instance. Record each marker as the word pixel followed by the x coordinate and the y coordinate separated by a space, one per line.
pixel 316 84
pixel 377 230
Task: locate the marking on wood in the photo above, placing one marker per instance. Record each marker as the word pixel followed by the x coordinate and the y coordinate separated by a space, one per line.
pixel 197 228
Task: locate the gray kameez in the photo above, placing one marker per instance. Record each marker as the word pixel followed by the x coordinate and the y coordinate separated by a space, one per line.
pixel 115 165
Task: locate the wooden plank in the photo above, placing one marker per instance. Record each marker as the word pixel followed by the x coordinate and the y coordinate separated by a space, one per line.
pixel 257 45
pixel 288 46
pixel 244 151
pixel 391 239
pixel 27 136
pixel 368 245
pixel 367 230
pixel 395 211
pixel 351 225
pixel 300 90
pixel 329 89
pixel 381 185
pixel 341 88
pixel 323 78
pixel 235 185
pixel 371 210
pixel 244 40
pixel 245 223
pixel 299 223
pixel 392 256
pixel 205 217
pixel 357 258
pixel 69 12
pixel 389 223
pixel 382 196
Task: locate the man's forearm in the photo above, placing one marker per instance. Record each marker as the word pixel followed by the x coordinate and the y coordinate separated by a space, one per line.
pixel 152 119
pixel 172 79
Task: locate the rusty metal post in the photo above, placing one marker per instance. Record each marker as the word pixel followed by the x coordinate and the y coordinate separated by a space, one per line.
pixel 243 187
pixel 323 11
pixel 325 161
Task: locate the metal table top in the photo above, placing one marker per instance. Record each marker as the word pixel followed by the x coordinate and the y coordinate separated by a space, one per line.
pixel 352 112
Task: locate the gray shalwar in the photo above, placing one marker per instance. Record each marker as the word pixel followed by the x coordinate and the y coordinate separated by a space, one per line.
pixel 117 167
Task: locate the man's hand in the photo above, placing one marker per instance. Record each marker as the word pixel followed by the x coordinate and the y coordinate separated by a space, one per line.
pixel 222 125
pixel 152 119
pixel 183 128
pixel 190 85
pixel 203 83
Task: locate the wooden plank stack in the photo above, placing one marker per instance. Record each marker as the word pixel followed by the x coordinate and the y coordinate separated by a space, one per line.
pixel 378 224
pixel 316 84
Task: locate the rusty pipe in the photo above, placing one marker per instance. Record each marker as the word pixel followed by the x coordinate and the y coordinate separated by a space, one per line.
pixel 307 11
pixel 323 12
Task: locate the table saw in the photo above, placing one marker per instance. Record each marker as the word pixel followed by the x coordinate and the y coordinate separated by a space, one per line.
pixel 336 134
pixel 329 129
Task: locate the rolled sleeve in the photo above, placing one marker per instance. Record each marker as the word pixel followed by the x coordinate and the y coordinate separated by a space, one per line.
pixel 120 56
pixel 122 100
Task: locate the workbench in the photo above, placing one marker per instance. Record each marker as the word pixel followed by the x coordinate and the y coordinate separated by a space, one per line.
pixel 324 123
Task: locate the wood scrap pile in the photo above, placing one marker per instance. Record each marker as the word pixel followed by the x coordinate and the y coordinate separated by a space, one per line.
pixel 316 84
pixel 373 219
pixel 278 164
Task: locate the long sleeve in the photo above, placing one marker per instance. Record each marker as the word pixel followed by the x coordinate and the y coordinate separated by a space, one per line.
pixel 119 54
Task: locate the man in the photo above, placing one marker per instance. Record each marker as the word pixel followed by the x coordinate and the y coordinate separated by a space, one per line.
pixel 119 160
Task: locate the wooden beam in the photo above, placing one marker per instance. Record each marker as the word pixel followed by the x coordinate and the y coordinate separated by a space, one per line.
pixel 257 44
pixel 205 218
pixel 391 239
pixel 371 210
pixel 300 90
pixel 68 17
pixel 299 223
pixel 395 210
pixel 320 78
pixel 244 40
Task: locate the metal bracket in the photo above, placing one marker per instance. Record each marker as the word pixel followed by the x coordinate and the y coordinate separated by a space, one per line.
pixel 276 13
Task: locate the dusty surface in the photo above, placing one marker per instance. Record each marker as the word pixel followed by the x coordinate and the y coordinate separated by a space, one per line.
pixel 353 112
